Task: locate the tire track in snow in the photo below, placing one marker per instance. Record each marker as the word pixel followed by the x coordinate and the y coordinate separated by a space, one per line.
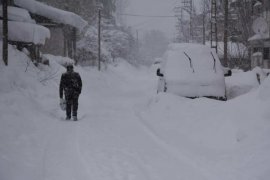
pixel 182 157
pixel 61 156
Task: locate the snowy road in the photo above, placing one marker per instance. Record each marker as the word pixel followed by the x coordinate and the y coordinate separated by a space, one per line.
pixel 111 140
pixel 128 132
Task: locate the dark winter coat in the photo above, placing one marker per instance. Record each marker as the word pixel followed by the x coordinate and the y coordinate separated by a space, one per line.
pixel 70 84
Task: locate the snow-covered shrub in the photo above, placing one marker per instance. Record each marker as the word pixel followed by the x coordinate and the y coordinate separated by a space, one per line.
pixel 116 42
pixel 87 48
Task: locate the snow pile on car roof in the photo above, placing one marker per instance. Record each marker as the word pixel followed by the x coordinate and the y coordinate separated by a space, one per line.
pixel 201 61
pixel 191 67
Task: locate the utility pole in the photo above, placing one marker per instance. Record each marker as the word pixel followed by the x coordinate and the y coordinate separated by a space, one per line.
pixel 178 10
pixel 214 33
pixel 204 38
pixel 99 39
pixel 137 42
pixel 226 14
pixel 5 31
pixel 204 15
pixel 191 20
pixel 99 7
pixel 187 5
pixel 137 37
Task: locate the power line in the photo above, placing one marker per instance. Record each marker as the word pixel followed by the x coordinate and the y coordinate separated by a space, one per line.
pixel 140 15
pixel 144 22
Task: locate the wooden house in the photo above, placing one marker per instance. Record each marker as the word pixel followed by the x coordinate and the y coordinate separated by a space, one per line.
pixel 57 26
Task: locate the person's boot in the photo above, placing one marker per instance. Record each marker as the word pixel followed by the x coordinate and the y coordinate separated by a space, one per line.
pixel 75 118
pixel 67 118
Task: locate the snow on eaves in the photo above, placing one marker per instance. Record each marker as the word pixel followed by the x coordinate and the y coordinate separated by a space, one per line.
pixel 56 15
pixel 258 37
pixel 17 14
pixel 26 32
pixel 257 54
pixel 258 3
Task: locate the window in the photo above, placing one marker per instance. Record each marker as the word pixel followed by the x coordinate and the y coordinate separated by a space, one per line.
pixel 266 53
pixel 257 49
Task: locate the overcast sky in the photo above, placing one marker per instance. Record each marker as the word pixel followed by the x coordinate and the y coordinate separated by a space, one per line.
pixel 153 8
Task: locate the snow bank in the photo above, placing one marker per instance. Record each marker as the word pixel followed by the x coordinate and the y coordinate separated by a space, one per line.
pixel 18 14
pixel 264 90
pixel 57 15
pixel 26 93
pixel 59 59
pixel 28 32
pixel 241 83
pixel 196 123
pixel 11 74
pixel 225 140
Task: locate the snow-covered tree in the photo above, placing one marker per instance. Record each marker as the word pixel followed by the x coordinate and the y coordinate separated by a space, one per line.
pixel 153 46
pixel 117 42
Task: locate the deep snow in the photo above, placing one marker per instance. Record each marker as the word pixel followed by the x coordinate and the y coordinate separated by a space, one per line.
pixel 125 130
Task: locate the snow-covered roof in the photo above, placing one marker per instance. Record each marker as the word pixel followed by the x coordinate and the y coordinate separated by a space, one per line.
pixel 258 37
pixel 57 15
pixel 17 14
pixel 258 3
pixel 26 32
pixel 257 54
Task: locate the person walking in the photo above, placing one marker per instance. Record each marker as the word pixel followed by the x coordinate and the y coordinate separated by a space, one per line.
pixel 71 86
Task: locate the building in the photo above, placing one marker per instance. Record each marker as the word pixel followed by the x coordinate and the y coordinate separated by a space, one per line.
pixel 42 28
pixel 260 41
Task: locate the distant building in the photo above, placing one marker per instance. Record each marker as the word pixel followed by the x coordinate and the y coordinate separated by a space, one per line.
pixel 260 41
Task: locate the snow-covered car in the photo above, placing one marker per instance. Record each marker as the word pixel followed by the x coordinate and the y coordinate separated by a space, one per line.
pixel 191 70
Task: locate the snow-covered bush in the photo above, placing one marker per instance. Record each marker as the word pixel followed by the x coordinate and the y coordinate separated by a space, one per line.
pixel 116 42
pixel 87 48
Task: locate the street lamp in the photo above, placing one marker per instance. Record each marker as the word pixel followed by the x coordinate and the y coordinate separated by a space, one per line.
pixel 99 7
